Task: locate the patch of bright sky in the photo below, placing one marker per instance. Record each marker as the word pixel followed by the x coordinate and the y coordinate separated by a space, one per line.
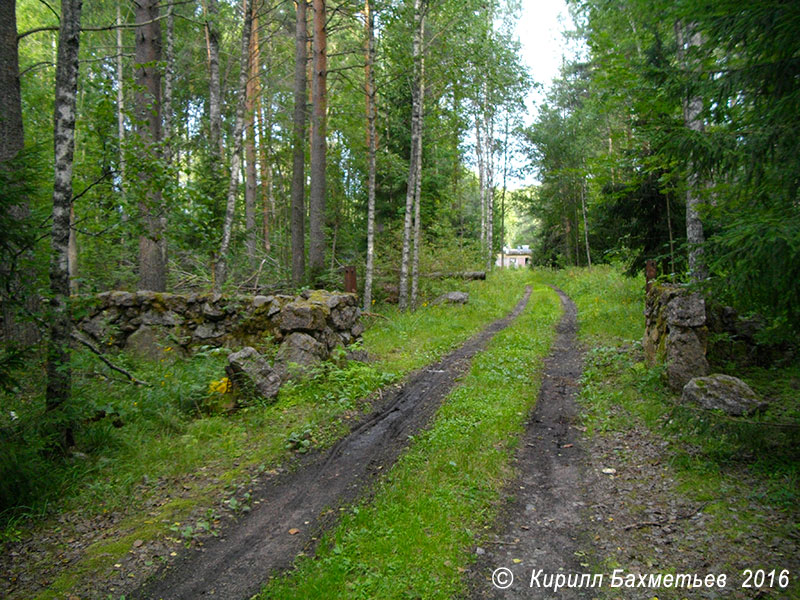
pixel 544 49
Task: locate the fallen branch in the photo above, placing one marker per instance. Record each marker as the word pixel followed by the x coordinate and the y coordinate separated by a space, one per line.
pixel 95 350
pixel 458 275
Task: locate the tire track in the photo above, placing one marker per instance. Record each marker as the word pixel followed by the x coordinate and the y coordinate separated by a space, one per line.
pixel 248 552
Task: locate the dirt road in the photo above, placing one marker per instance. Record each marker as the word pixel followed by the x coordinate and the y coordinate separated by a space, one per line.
pixel 541 526
pixel 295 508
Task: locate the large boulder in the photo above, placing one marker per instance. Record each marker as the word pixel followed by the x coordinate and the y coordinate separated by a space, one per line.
pixel 722 392
pixel 251 372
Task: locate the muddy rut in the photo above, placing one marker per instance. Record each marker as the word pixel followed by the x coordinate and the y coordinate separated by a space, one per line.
pixel 236 564
pixel 541 527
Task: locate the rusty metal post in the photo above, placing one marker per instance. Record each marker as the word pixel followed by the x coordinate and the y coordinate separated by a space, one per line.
pixel 350 284
pixel 650 273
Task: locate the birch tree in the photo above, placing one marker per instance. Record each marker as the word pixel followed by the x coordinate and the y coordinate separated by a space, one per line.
pixel 416 147
pixel 59 374
pixel 687 39
pixel 221 271
pixel 369 76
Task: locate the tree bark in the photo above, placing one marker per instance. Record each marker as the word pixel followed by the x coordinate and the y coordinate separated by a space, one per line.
pixel 585 223
pixel 416 140
pixel 120 103
pixel 489 126
pixel 214 88
pixel 298 143
pixel 169 84
pixel 221 272
pixel 418 175
pixel 152 268
pixel 265 156
pixel 253 92
pixel 12 137
pixel 316 200
pixel 369 76
pixel 59 374
pixel 692 116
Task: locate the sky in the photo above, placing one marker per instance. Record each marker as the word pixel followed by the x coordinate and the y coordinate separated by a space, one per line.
pixel 543 47
pixel 539 30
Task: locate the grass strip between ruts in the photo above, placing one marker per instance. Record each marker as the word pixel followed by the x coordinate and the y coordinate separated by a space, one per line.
pixel 413 537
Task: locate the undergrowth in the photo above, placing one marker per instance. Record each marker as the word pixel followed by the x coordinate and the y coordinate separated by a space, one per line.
pixel 150 439
pixel 742 469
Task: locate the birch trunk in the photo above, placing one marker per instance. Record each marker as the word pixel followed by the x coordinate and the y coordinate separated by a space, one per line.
pixel 265 157
pixel 481 176
pixel 489 187
pixel 316 201
pixel 418 174
pixel 298 143
pixel 692 116
pixel 221 268
pixel 371 151
pixel 120 103
pixel 416 139
pixel 585 224
pixel 152 268
pixel 59 375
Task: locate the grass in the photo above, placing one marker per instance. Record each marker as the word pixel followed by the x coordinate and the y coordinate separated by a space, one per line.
pixel 413 538
pixel 165 442
pixel 746 469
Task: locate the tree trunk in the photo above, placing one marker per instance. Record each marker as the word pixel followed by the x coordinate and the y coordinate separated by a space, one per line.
pixel 418 175
pixel 214 88
pixel 12 137
pixel 316 200
pixel 120 103
pixel 585 224
pixel 298 143
pixel 489 186
pixel 253 92
pixel 169 84
pixel 59 374
pixel 265 156
pixel 152 268
pixel 416 140
pixel 372 143
pixel 692 116
pixel 481 176
pixel 236 159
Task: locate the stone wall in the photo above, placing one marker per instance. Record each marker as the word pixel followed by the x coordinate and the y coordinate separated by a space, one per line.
pixel 676 333
pixel 144 321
